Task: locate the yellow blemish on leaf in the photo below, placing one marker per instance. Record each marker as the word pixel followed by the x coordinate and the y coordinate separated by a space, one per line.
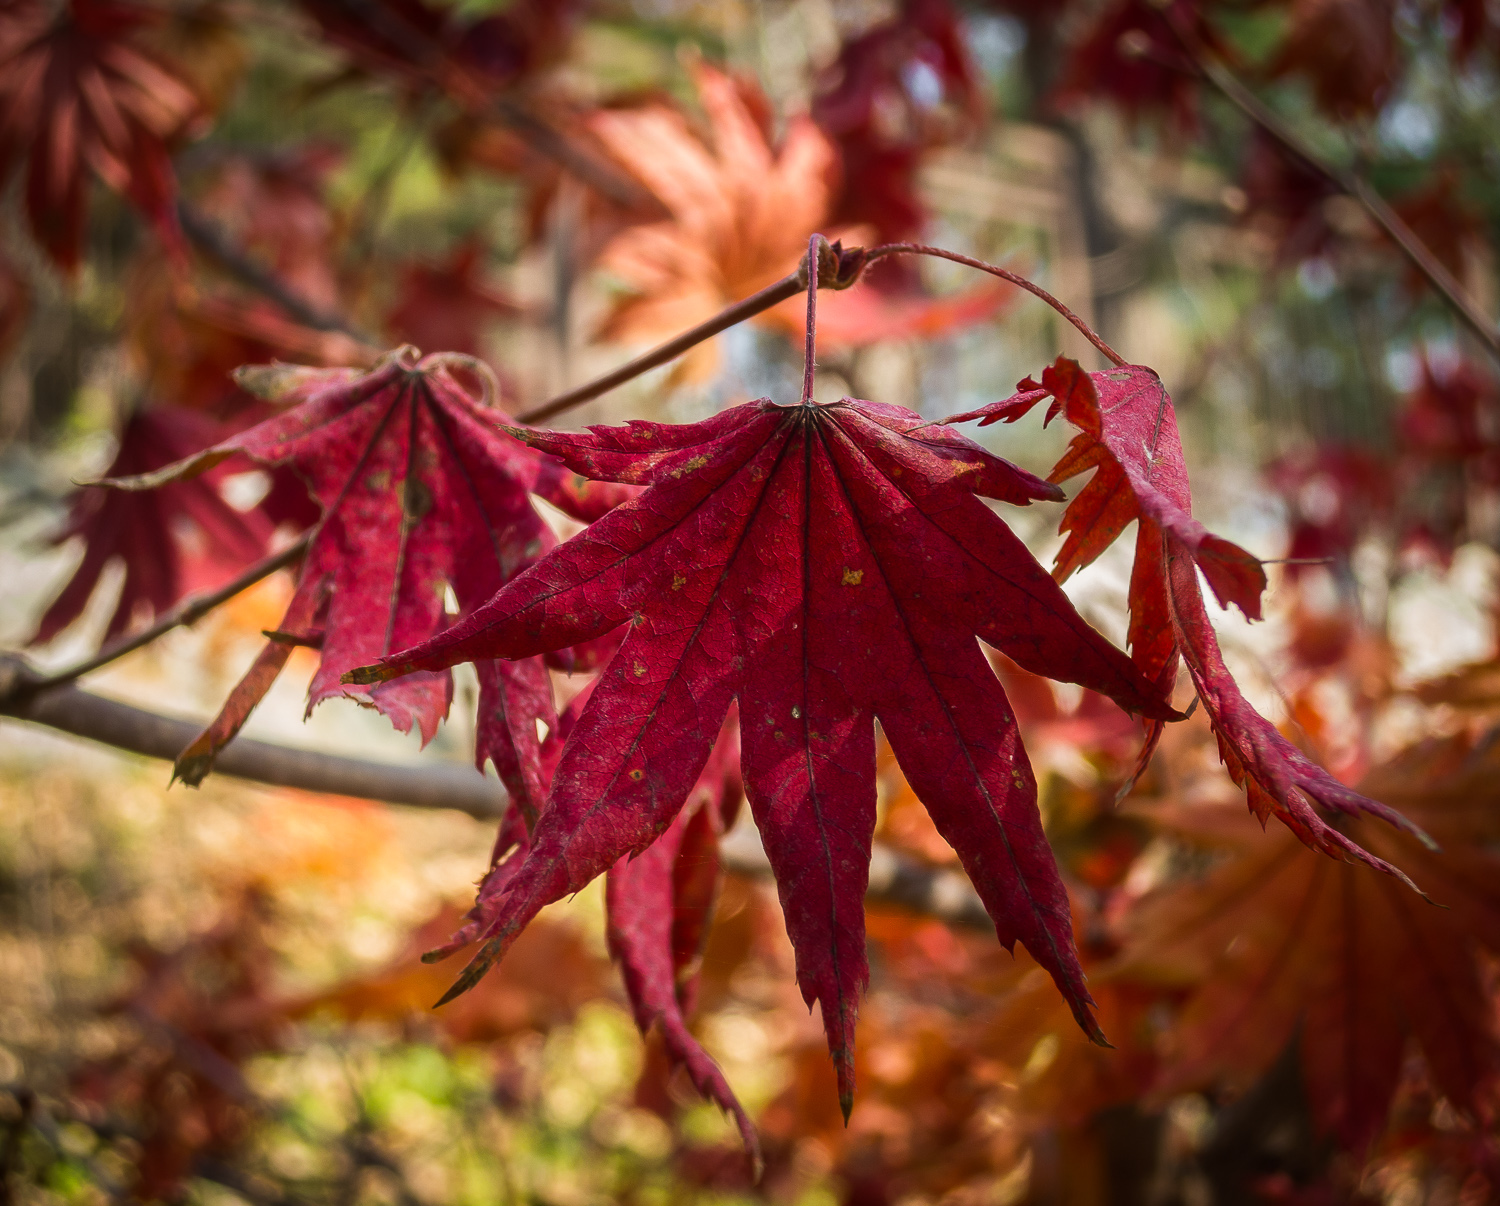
pixel 853 577
pixel 691 466
pixel 678 581
pixel 637 775
pixel 640 669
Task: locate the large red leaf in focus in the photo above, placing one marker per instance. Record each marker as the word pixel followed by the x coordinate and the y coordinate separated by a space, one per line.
pixel 826 566
pixel 174 542
pixel 1128 436
pixel 77 95
pixel 419 490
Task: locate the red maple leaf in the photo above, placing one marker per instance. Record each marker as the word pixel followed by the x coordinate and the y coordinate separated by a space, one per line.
pixel 659 907
pixel 826 566
pixel 448 305
pixel 896 91
pixel 419 490
pixel 1131 56
pixel 1128 436
pixel 1346 49
pixel 77 95
pixel 178 540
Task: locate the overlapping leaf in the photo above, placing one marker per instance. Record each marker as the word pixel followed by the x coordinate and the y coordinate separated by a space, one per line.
pixel 419 492
pixel 826 566
pixel 660 904
pixel 1275 940
pixel 1128 436
pixel 77 95
pixel 180 539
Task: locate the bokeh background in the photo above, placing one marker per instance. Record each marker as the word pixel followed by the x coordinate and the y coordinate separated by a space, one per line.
pixel 213 995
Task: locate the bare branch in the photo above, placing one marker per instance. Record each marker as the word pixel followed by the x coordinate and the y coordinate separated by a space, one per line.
pixel 895 880
pixel 431 785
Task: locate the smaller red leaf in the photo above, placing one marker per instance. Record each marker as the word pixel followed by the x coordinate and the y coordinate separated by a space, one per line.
pixel 1128 436
pixel 658 906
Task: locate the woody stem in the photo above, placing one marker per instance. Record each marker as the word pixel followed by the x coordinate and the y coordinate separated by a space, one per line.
pixel 1004 274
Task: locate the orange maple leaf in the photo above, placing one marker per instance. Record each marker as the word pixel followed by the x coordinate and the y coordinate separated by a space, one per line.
pixel 741 212
pixel 1277 938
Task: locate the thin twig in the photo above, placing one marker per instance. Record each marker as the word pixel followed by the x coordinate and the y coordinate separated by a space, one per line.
pixel 1004 274
pixel 809 361
pixel 756 303
pixel 1351 183
pixel 212 240
pixel 188 611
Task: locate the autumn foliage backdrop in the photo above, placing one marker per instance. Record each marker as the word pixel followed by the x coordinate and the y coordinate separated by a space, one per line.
pixel 788 708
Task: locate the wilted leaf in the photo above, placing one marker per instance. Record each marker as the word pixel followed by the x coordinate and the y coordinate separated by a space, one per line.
pixel 1128 436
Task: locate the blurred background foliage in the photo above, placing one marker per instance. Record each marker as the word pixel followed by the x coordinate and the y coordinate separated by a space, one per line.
pixel 215 996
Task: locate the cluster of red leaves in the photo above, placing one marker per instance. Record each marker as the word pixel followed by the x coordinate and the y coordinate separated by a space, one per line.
pixel 79 95
pixel 1429 492
pixel 825 566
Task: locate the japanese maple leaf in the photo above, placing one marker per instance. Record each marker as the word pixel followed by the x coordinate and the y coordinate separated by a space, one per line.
pixel 173 542
pixel 448 304
pixel 78 95
pixel 659 905
pixel 825 566
pixel 740 215
pixel 419 490
pixel 1130 55
pixel 894 92
pixel 1128 436
pixel 1346 49
pixel 741 211
pixel 1276 943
